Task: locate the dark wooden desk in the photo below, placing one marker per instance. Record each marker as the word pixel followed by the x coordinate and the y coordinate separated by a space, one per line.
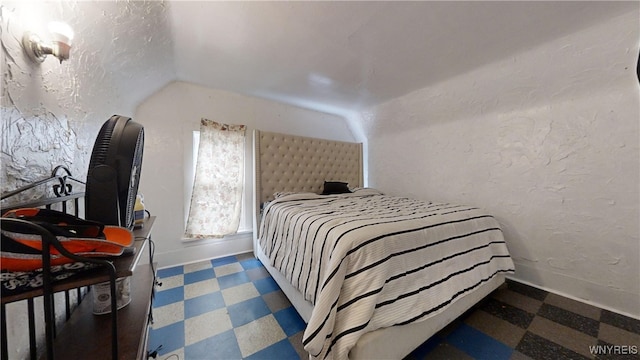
pixel 88 336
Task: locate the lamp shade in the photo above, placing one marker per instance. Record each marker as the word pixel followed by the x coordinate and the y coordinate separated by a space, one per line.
pixel 61 32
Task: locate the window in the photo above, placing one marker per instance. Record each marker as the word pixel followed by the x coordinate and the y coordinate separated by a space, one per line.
pixel 244 225
pixel 216 201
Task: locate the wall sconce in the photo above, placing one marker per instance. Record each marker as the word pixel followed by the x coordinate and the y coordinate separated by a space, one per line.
pixel 61 36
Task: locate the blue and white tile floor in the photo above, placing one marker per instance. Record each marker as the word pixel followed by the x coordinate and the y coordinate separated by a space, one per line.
pixel 227 308
pixel 230 308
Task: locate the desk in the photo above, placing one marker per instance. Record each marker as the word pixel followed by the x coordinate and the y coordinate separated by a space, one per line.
pixel 88 336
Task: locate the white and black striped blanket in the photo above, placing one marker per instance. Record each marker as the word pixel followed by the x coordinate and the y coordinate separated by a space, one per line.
pixel 368 261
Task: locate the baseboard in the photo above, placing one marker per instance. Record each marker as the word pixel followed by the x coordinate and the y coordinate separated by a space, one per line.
pixel 191 253
pixel 615 300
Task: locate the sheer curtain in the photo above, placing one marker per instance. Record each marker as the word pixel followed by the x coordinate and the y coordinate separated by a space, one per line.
pixel 216 201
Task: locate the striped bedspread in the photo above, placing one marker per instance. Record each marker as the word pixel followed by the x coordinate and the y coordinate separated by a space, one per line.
pixel 368 261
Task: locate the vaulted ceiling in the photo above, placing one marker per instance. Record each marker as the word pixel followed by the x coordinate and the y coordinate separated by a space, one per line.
pixel 344 56
pixel 336 57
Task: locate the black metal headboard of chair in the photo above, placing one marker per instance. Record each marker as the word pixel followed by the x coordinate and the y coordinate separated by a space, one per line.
pixel 61 192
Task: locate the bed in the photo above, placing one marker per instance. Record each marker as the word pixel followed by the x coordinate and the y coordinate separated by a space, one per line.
pixel 374 276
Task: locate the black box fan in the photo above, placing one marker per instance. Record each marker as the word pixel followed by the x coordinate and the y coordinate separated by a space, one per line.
pixel 114 172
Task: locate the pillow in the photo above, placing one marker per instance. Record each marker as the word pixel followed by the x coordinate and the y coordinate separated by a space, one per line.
pixel 335 187
pixel 282 193
pixel 366 191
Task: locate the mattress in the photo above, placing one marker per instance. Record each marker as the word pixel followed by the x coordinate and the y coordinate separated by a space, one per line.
pixel 368 261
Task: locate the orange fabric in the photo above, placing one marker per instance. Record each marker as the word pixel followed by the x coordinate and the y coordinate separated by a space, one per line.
pixel 21 212
pixel 116 239
pixel 76 246
pixel 119 235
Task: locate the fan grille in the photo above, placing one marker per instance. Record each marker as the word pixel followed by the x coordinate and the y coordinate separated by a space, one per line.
pixel 114 172
pixel 136 168
pixel 101 146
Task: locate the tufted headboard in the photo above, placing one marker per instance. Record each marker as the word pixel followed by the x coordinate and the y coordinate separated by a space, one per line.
pixel 295 163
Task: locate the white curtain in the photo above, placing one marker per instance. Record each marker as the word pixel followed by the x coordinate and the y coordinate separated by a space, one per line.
pixel 216 201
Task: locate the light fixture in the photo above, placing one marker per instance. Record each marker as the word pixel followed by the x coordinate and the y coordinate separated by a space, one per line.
pixel 61 36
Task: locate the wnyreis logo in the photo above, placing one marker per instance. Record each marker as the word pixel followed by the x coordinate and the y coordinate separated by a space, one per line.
pixel 613 349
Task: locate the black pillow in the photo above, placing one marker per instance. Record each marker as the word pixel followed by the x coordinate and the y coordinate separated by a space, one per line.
pixel 335 187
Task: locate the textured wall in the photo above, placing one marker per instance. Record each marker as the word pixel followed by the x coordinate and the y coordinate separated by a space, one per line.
pixel 51 112
pixel 548 141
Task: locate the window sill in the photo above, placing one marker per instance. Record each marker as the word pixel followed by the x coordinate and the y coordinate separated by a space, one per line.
pixel 196 241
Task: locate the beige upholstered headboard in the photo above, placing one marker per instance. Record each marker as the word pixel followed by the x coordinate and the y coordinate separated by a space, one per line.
pixel 295 163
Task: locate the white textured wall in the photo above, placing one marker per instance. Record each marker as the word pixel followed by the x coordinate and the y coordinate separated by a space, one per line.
pixel 51 112
pixel 169 117
pixel 548 141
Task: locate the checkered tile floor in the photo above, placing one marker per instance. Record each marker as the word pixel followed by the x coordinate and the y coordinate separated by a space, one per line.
pixel 230 308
